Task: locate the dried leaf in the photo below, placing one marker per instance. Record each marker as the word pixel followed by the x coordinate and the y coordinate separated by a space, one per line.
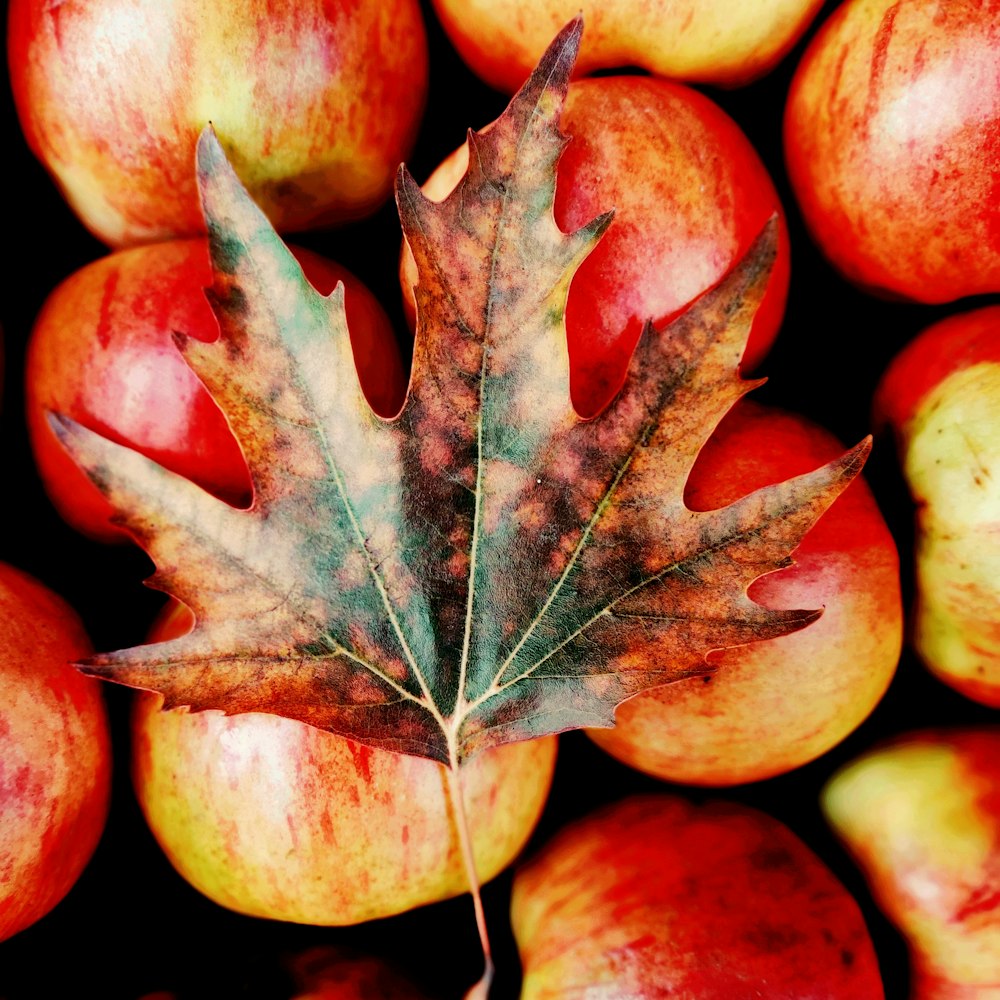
pixel 485 567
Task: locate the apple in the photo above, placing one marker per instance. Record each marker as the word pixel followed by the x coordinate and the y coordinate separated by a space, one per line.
pixel 941 396
pixel 55 752
pixel 774 705
pixel 892 138
pixel 274 818
pixel 690 195
pixel 725 42
pixel 316 102
pixel 326 973
pixel 656 897
pixel 921 815
pixel 102 352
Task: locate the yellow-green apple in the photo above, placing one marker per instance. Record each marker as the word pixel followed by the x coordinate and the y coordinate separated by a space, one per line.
pixel 102 352
pixel 655 897
pixel 704 41
pixel 55 752
pixel 892 139
pixel 773 705
pixel 690 195
pixel 316 102
pixel 941 395
pixel 273 818
pixel 921 815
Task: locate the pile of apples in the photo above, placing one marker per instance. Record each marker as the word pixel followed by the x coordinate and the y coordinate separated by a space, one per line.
pixel 850 846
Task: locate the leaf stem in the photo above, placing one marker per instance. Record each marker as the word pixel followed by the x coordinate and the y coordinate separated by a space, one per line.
pixel 480 991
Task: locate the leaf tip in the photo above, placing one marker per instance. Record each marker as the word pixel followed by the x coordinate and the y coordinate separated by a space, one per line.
pixel 94 666
pixel 856 457
pixel 556 65
pixel 60 424
pixel 208 151
pixel 758 261
pixel 408 191
pixel 70 433
pixel 567 42
pixel 598 226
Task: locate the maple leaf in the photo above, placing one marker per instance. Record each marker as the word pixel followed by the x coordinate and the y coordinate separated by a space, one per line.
pixel 486 566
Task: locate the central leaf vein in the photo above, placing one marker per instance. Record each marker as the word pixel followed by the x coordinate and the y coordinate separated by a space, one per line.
pixel 462 707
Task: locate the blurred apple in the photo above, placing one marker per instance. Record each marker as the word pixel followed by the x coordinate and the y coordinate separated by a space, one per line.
pixel 774 705
pixel 316 102
pixel 655 897
pixel 892 139
pixel 690 195
pixel 273 818
pixel 704 41
pixel 102 352
pixel 326 973
pixel 941 396
pixel 55 752
pixel 921 816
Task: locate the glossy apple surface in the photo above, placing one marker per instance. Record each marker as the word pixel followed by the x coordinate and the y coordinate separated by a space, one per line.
pixel 704 41
pixel 55 752
pixel 655 897
pixel 921 816
pixel 941 396
pixel 273 818
pixel 102 352
pixel 316 103
pixel 892 139
pixel 690 195
pixel 774 705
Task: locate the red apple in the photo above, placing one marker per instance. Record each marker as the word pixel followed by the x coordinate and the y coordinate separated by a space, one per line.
pixel 921 815
pixel 326 973
pixel 316 102
pixel 892 138
pixel 655 897
pixel 726 42
pixel 55 752
pixel 690 195
pixel 941 395
pixel 273 818
pixel 102 352
pixel 774 705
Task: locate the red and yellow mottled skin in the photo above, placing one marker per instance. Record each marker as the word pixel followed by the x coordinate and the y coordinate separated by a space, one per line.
pixel 921 815
pixel 274 818
pixel 892 138
pixel 655 897
pixel 55 752
pixel 705 41
pixel 941 396
pixel 317 101
pixel 774 705
pixel 690 195
pixel 102 352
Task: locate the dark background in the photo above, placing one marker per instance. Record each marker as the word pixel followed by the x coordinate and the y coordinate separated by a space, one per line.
pixel 131 925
